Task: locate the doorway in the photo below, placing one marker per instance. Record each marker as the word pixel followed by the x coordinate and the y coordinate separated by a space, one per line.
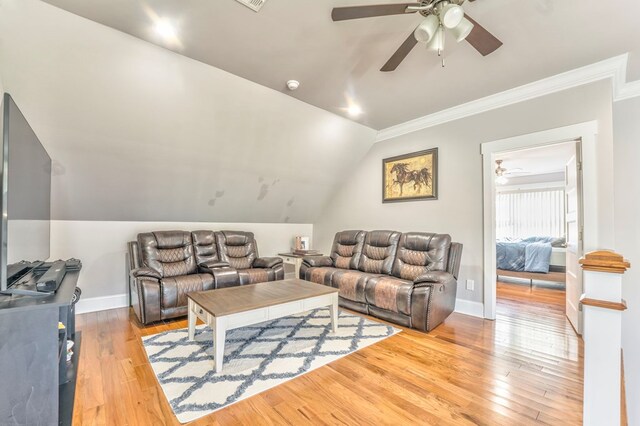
pixel 537 200
pixel 586 227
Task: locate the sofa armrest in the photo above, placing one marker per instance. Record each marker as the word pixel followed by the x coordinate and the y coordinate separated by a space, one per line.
pixel 317 261
pixel 433 299
pixel 145 298
pixel 225 277
pixel 146 273
pixel 213 264
pixel 267 262
pixel 433 277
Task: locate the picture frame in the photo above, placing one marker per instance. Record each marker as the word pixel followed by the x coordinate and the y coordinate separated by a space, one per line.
pixel 410 177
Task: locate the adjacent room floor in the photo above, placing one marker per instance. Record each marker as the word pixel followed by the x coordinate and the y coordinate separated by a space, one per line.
pixel 540 294
pixel 523 368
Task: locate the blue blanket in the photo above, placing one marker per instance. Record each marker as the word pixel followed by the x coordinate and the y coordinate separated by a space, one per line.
pixel 510 256
pixel 537 257
pixel 525 255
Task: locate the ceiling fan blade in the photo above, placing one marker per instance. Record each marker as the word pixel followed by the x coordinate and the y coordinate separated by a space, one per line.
pixel 481 39
pixel 400 54
pixel 356 12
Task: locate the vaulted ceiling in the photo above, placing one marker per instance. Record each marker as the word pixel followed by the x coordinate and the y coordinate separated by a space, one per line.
pixel 138 133
pixel 339 62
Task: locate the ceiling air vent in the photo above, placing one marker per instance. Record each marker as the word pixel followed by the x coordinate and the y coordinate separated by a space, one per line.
pixel 254 5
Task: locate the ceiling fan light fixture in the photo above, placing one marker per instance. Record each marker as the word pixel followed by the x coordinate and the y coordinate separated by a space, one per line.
pixel 451 15
pixel 437 42
pixel 427 29
pixel 463 29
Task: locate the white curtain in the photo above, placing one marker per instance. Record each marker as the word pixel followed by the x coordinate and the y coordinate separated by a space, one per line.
pixel 530 213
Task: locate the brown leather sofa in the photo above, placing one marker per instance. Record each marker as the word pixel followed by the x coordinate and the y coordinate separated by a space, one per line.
pixel 163 267
pixel 409 278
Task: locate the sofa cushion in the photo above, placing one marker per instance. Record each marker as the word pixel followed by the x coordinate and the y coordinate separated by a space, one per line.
pixel 379 252
pixel 421 252
pixel 320 275
pixel 346 249
pixel 351 284
pixel 255 275
pixel 174 290
pixel 205 247
pixel 170 253
pixel 391 294
pixel 237 248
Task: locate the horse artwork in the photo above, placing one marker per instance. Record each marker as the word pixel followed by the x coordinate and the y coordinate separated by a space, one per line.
pixel 410 176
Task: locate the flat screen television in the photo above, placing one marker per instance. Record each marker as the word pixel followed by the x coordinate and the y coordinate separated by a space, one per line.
pixel 25 201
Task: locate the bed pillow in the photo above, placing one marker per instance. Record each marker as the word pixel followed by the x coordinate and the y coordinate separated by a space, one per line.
pixel 537 257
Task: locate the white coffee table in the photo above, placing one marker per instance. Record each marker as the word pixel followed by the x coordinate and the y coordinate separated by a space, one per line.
pixel 233 307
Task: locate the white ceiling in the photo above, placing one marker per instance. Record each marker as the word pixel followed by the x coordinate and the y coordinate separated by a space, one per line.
pixel 339 61
pixel 538 161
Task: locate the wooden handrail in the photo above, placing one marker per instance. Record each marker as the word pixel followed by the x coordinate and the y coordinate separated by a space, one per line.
pixel 617 306
pixel 604 261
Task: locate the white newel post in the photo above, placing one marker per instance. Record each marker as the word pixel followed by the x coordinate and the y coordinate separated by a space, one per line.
pixel 602 305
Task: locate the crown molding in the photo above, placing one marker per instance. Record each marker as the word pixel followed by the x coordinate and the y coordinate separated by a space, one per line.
pixel 614 68
pixel 627 91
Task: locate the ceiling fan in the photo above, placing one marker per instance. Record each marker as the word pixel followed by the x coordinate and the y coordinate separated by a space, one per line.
pixel 439 15
pixel 502 174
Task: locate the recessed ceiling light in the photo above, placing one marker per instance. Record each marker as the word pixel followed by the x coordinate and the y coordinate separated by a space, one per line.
pixel 354 110
pixel 165 29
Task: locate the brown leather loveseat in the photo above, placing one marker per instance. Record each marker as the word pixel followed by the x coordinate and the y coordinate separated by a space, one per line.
pixel 408 278
pixel 165 266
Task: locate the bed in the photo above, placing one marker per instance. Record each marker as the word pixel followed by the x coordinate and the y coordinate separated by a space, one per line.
pixel 532 258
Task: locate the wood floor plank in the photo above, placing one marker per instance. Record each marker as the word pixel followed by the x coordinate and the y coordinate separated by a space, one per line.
pixel 524 368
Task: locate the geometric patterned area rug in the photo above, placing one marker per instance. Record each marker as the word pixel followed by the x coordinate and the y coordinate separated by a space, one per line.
pixel 256 357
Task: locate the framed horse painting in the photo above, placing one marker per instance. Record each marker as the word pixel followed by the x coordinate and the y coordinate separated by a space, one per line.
pixel 410 177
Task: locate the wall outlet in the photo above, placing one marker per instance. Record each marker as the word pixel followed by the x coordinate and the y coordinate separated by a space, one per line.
pixel 470 284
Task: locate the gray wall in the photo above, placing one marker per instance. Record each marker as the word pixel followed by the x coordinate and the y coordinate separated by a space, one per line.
pixel 626 133
pixel 458 211
pixel 137 132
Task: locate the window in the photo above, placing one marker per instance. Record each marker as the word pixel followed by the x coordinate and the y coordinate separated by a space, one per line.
pixel 521 214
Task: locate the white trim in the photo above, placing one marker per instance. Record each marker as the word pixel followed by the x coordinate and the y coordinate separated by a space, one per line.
pixel 627 91
pixel 468 307
pixel 587 132
pixel 95 304
pixel 613 68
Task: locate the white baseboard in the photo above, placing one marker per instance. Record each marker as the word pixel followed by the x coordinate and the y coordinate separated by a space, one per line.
pixel 468 307
pixel 95 304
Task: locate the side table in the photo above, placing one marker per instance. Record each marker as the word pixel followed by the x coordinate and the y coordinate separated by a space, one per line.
pixel 295 260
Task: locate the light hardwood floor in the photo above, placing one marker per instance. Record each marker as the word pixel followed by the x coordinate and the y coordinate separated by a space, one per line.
pixel 523 368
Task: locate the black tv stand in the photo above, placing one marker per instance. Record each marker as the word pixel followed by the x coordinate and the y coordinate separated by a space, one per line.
pixel 33 353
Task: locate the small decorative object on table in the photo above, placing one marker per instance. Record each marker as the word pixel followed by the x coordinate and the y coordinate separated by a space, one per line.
pixel 301 244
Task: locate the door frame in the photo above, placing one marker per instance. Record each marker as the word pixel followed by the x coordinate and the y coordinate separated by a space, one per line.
pixel 587 132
